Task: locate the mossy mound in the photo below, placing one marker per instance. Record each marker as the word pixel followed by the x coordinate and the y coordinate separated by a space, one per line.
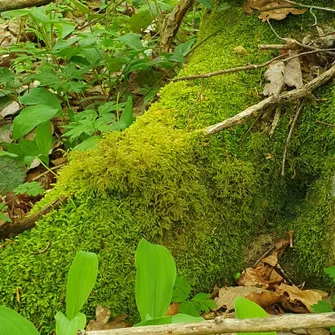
pixel 203 198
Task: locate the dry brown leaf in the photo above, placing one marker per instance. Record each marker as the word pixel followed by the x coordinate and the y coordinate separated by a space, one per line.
pixel 295 294
pixel 227 295
pixel 292 73
pixel 265 298
pixel 272 260
pixel 273 9
pixel 275 75
pixel 173 309
pixel 253 277
pixel 102 316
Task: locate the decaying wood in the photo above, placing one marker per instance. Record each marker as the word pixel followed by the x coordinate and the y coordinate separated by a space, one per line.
pixel 171 23
pixel 222 325
pixel 10 229
pixel 18 4
pixel 272 101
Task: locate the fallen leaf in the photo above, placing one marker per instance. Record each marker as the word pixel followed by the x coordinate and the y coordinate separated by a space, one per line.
pixel 295 294
pixel 275 75
pixel 265 298
pixel 227 295
pixel 292 72
pixel 173 309
pixel 11 109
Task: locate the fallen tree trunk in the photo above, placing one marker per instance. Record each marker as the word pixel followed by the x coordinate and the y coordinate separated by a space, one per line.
pixel 19 4
pixel 222 325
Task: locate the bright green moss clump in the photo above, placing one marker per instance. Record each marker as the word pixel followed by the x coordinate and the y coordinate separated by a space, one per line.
pixel 203 198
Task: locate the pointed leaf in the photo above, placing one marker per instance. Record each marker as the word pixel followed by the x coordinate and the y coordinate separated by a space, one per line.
pixel 13 323
pixel 155 278
pixel 245 308
pixel 40 96
pixel 127 115
pixel 66 327
pixel 81 279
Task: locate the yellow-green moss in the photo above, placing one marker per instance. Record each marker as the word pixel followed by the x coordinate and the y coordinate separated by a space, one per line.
pixel 204 198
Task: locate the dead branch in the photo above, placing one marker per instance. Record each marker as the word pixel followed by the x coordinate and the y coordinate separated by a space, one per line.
pixel 277 47
pixel 283 98
pixel 288 139
pixel 171 23
pixel 10 229
pixel 223 325
pixel 18 4
pixel 251 66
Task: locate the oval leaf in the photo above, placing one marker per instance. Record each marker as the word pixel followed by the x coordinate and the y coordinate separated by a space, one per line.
pixel 245 308
pixel 66 327
pixel 81 279
pixel 155 278
pixel 31 117
pixel 13 323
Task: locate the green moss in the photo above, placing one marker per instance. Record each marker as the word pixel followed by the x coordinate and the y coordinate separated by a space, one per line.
pixel 204 198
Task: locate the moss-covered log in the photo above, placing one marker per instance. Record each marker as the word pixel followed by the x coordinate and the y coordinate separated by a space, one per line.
pixel 205 198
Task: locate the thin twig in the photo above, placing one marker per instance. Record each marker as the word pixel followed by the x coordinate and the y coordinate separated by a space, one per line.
pixel 325 123
pixel 273 100
pixel 288 139
pixel 47 171
pixel 328 9
pixel 251 66
pixel 43 250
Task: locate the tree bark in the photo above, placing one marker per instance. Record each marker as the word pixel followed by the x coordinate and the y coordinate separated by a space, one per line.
pixel 221 325
pixel 18 4
pixel 171 23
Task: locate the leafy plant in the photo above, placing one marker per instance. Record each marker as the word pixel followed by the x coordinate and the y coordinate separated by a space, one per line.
pixel 245 308
pixel 155 279
pixel 81 279
pixel 324 306
pixel 31 189
pixel 201 302
pixel 3 209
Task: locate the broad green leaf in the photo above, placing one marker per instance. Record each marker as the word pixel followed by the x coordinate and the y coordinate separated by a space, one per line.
pixel 12 174
pixel 155 278
pixel 12 323
pixel 64 29
pixel 181 290
pixel 190 308
pixel 206 3
pixel 140 20
pixel 5 75
pixel 8 154
pixel 30 117
pixel 132 41
pixel 182 50
pixel 84 9
pixel 330 272
pixel 245 309
pixel 40 96
pixel 90 143
pixel 322 307
pixel 66 327
pixel 81 279
pixel 127 115
pixel 4 218
pixel 43 139
pixel 165 320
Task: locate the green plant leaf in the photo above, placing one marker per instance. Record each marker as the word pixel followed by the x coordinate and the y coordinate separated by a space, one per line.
pixel 155 278
pixel 190 308
pixel 330 272
pixel 165 320
pixel 88 144
pixel 31 117
pixel 80 282
pixel 206 3
pixel 12 323
pixel 127 115
pixel 132 41
pixel 66 327
pixel 40 96
pixel 43 139
pixel 32 188
pixel 182 50
pixel 84 9
pixel 322 307
pixel 140 20
pixel 181 290
pixel 12 174
pixel 245 308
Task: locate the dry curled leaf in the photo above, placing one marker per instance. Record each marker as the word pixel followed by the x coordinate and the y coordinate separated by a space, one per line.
pixel 275 75
pixel 273 9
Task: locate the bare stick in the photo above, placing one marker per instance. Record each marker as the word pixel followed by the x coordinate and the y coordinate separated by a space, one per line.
pixel 288 139
pixel 172 23
pixel 271 101
pixel 18 4
pixel 328 9
pixel 277 47
pixel 221 325
pixel 251 66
